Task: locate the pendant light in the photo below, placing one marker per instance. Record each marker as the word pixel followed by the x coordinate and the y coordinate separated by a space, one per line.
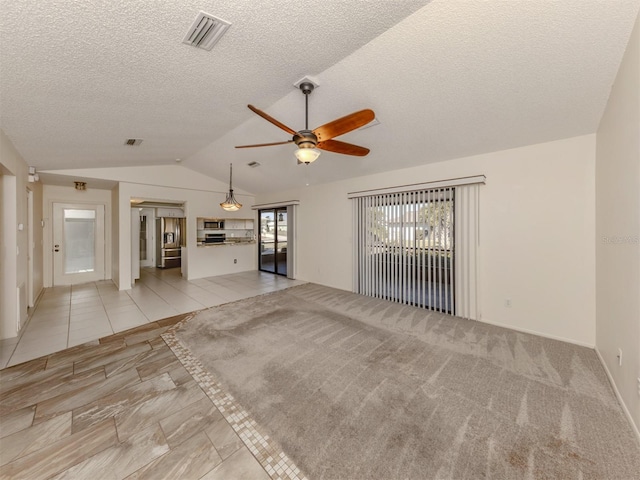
pixel 231 204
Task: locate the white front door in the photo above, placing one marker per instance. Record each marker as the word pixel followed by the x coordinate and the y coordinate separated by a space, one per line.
pixel 78 243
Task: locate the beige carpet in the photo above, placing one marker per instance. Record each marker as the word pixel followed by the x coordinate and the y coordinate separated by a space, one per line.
pixel 359 388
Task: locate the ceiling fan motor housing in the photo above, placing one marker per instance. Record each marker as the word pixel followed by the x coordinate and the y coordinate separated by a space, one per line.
pixel 307 87
pixel 305 139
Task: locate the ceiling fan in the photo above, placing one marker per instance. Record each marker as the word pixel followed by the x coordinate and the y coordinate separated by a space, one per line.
pixel 309 141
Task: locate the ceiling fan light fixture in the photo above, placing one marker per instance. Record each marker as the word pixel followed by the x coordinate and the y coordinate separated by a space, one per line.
pixel 310 142
pixel 230 204
pixel 307 155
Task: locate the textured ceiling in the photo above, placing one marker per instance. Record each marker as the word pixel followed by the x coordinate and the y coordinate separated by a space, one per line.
pixel 445 78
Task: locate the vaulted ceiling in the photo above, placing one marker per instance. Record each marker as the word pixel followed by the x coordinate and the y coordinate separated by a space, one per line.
pixel 446 79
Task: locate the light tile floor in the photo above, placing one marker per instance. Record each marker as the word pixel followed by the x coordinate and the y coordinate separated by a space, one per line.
pixel 72 315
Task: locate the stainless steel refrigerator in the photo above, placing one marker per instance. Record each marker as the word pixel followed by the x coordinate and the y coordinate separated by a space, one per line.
pixel 170 237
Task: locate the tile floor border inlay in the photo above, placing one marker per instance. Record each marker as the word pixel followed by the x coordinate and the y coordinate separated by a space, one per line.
pixel 268 453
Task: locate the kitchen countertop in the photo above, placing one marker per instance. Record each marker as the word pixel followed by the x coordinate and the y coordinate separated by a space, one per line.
pixel 225 244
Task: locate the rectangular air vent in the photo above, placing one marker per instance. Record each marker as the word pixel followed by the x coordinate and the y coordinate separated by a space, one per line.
pixel 133 141
pixel 206 31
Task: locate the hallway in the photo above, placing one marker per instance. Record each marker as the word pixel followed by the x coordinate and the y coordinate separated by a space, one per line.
pixel 72 315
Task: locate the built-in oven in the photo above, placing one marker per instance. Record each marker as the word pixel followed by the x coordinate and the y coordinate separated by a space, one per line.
pixel 214 238
pixel 214 224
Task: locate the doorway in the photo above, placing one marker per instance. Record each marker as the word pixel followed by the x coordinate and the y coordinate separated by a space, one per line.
pixel 30 247
pixel 273 241
pixel 147 243
pixel 78 243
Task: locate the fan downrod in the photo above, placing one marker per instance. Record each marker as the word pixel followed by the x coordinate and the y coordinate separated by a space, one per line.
pixel 307 88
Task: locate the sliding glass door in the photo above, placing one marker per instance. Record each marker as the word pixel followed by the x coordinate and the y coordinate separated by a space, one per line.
pixel 420 247
pixel 405 248
pixel 273 241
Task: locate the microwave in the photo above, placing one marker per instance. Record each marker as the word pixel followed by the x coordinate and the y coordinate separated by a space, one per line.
pixel 215 224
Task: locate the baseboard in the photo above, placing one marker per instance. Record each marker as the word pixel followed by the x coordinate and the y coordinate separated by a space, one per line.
pixel 539 334
pixel 634 427
pixel 37 297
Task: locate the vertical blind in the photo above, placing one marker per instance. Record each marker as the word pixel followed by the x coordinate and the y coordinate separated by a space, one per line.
pixel 419 248
pixel 467 247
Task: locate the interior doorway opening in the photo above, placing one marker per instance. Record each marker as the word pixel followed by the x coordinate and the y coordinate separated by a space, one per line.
pixel 30 250
pixel 147 237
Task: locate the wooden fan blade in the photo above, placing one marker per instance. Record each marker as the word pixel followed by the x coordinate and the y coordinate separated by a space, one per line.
pixel 264 144
pixel 343 147
pixel 343 125
pixel 269 118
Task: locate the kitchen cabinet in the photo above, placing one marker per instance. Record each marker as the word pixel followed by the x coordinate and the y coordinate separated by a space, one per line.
pixel 170 212
pixel 238 224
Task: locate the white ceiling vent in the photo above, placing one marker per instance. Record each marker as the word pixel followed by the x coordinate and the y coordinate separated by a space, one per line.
pixel 133 142
pixel 206 31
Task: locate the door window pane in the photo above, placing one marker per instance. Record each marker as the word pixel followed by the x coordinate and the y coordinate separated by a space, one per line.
pixel 79 240
pixel 267 241
pixel 273 241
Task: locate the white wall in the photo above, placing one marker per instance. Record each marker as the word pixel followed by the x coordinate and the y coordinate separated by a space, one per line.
pixel 115 235
pixel 201 261
pixel 172 183
pixel 8 258
pixel 7 275
pixel 618 230
pixel 38 238
pixel 173 176
pixel 537 233
pixel 58 194
pixel 14 243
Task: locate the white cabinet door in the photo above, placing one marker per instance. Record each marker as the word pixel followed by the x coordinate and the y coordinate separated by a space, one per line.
pixel 170 212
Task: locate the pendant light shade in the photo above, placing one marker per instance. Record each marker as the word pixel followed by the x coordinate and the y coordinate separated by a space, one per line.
pixel 231 204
